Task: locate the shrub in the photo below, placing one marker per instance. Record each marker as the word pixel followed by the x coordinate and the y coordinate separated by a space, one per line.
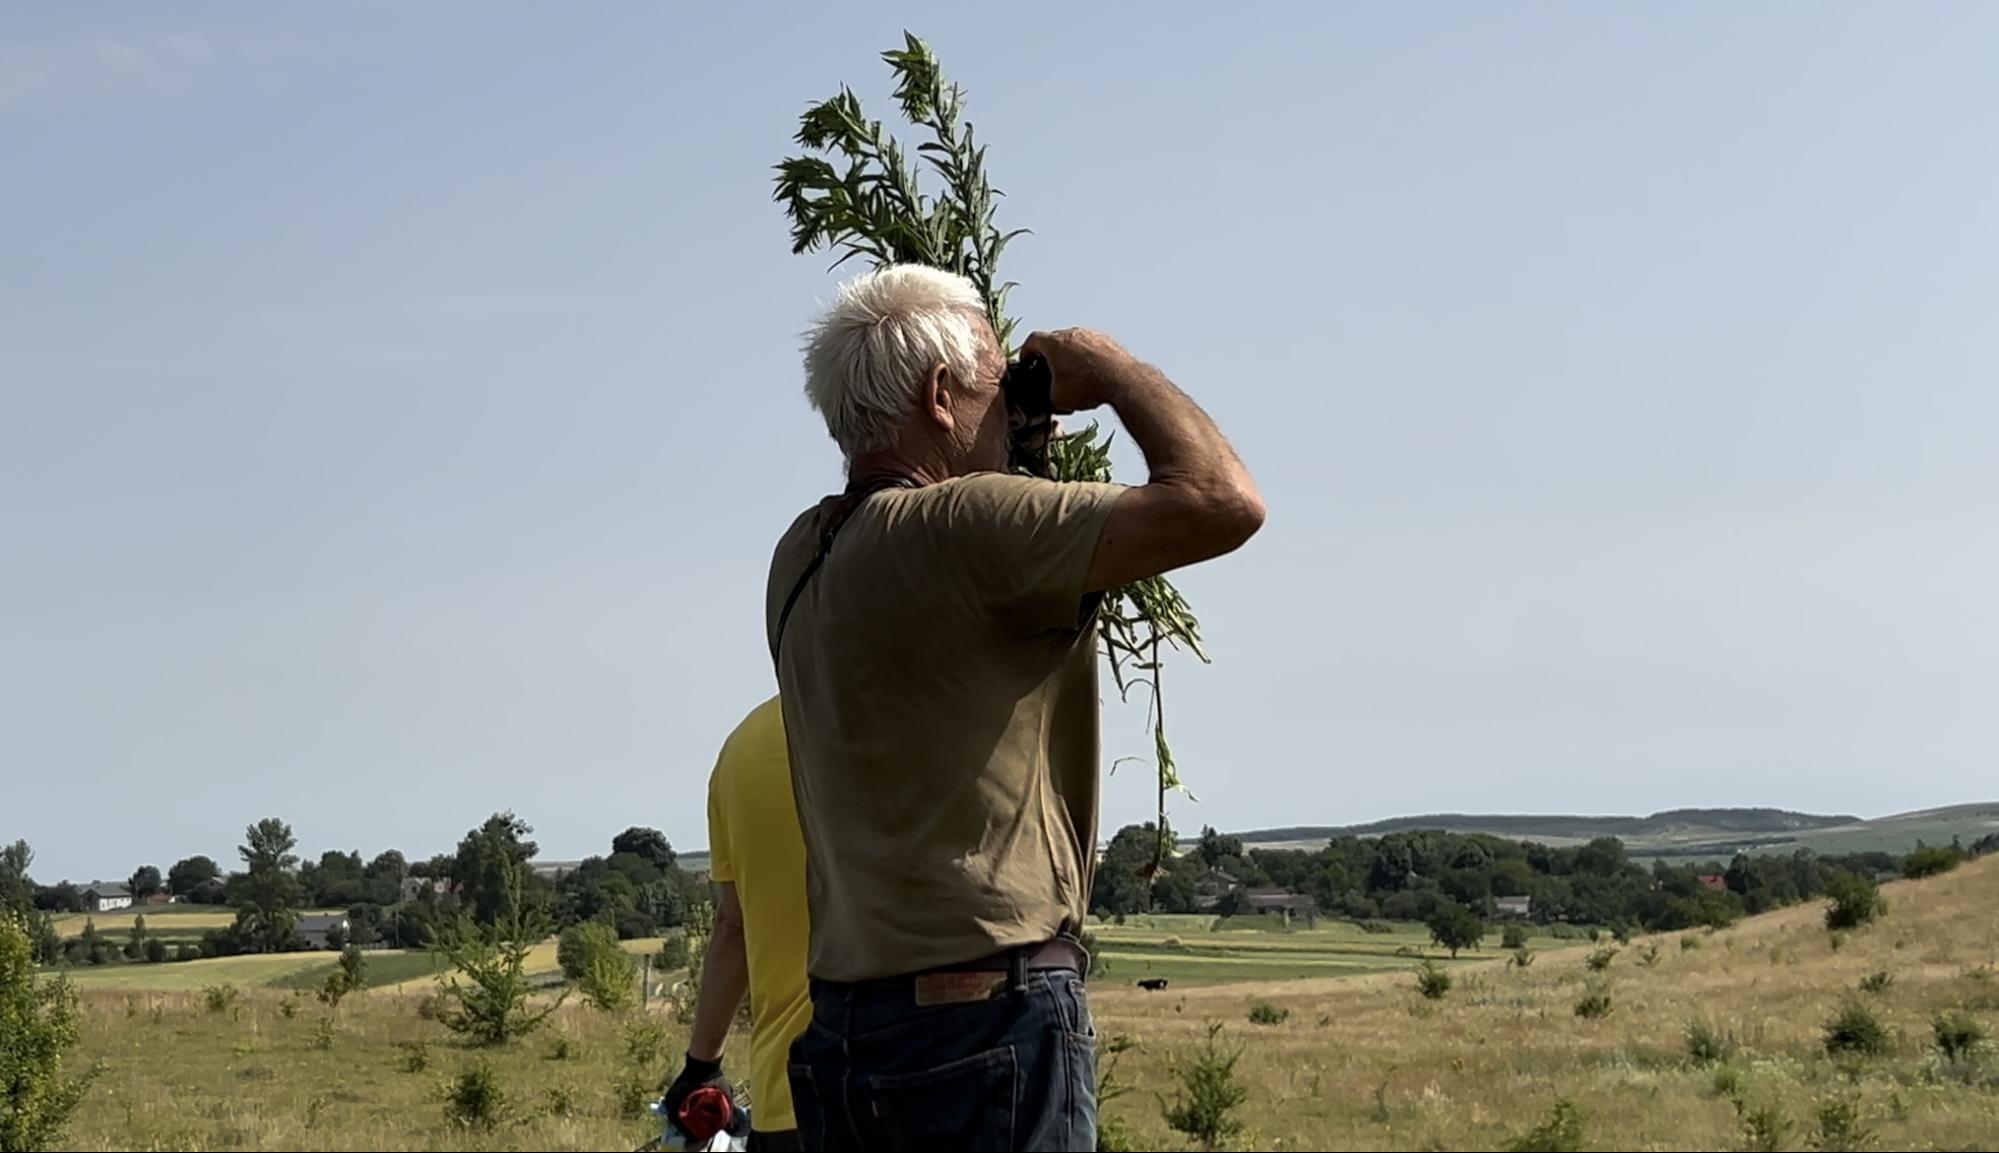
pixel 1209 1095
pixel 560 1049
pixel 1595 1004
pixel 557 1101
pixel 1566 932
pixel 1265 1013
pixel 490 1005
pixel 1855 1029
pixel 219 998
pixel 349 976
pixel 1562 1132
pixel 322 1034
pixel 288 1008
pixel 1836 939
pixel 1522 957
pixel 1929 860
pixel 1513 937
pixel 1601 959
pixel 1726 1080
pixel 1707 1046
pixel 1856 901
pixel 645 1043
pixel 1877 982
pixel 1839 1128
pixel 1959 1036
pixel 1764 1130
pixel 1114 1134
pixel 156 950
pixel 36 1099
pixel 416 1055
pixel 1689 943
pixel 1432 981
pixel 610 979
pixel 631 1093
pixel 672 955
pixel 476 1099
pixel 1649 955
pixel 581 941
pixel 183 951
pixel 1621 932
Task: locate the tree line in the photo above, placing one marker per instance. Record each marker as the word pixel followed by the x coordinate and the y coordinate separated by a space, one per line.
pixel 637 889
pixel 1413 875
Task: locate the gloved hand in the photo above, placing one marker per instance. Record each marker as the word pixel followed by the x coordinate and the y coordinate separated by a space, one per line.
pixel 695 1074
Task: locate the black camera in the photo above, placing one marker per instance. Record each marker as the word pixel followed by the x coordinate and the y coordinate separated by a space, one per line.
pixel 1028 388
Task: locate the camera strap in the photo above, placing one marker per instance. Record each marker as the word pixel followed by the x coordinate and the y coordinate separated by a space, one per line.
pixel 843 508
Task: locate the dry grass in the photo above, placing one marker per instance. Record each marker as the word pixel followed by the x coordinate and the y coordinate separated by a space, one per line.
pixel 1360 1063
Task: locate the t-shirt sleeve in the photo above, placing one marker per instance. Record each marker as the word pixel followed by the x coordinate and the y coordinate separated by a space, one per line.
pixel 1027 544
pixel 721 867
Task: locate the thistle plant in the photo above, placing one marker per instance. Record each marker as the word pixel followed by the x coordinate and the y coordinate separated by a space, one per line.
pixel 857 192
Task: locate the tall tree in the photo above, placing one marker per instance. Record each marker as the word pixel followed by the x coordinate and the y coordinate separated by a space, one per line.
pixel 36 1098
pixel 491 867
pixel 267 896
pixel 1214 848
pixel 197 879
pixel 650 844
pixel 145 882
pixel 17 891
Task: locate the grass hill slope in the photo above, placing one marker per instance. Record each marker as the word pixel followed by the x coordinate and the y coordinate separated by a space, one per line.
pixel 1367 1063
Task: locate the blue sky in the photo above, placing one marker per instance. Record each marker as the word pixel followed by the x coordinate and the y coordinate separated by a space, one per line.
pixel 398 403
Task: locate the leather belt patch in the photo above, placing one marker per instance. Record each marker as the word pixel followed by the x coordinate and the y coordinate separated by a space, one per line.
pixel 958 988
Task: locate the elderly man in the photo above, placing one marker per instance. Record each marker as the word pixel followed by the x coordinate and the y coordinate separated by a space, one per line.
pixel 937 666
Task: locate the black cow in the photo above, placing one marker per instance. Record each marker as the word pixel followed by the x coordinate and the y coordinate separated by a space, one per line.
pixel 1152 984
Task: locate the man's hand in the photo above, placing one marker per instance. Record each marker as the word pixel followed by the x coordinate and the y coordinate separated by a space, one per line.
pixel 695 1074
pixel 1087 369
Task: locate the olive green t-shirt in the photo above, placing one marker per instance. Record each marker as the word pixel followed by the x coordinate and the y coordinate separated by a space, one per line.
pixel 939 682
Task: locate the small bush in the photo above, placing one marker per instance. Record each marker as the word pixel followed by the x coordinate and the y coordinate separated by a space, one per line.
pixel 1877 982
pixel 1265 1013
pixel 1689 943
pixel 579 942
pixel 557 1101
pixel 1513 937
pixel 432 1006
pixel 560 1049
pixel 1836 939
pixel 1601 959
pixel 1856 901
pixel 1566 932
pixel 1621 933
pixel 1856 1030
pixel 672 955
pixel 219 998
pixel 416 1055
pixel 1929 860
pixel 1839 1128
pixel 1209 1095
pixel 1763 1130
pixel 288 1008
pixel 1562 1132
pixel 1706 1045
pixel 1959 1036
pixel 645 1043
pixel 184 951
pixel 1595 1004
pixel 632 1093
pixel 1649 955
pixel 322 1034
pixel 476 1099
pixel 1433 981
pixel 1522 957
pixel 1726 1080
pixel 156 950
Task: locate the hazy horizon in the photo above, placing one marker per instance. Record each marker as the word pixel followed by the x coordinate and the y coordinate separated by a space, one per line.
pixel 398 405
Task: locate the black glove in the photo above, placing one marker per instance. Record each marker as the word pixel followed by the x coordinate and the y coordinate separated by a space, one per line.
pixel 695 1074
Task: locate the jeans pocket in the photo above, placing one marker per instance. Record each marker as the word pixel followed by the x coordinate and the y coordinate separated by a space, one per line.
pixel 967 1104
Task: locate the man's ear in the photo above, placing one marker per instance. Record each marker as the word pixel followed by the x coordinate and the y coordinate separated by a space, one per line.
pixel 937 397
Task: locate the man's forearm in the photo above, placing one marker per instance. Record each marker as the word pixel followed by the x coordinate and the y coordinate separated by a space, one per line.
pixel 725 980
pixel 1182 446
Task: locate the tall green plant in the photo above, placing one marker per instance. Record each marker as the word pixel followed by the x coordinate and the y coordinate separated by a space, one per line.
pixel 37 1030
pixel 857 192
pixel 488 995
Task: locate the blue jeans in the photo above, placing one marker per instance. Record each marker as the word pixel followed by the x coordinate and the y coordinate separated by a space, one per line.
pixel 877 1071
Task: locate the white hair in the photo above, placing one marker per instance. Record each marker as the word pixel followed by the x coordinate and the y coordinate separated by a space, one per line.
pixel 867 356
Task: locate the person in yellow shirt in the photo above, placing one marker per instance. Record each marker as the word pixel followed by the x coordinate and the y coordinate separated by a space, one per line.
pixel 757 861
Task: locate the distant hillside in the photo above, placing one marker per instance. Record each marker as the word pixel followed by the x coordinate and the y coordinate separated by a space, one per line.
pixel 1716 833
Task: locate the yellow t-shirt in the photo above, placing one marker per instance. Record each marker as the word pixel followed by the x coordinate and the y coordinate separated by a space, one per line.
pixel 754 843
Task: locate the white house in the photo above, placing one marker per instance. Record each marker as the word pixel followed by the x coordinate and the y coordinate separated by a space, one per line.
pixel 103 897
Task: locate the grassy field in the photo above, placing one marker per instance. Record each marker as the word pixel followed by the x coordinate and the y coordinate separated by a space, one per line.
pixel 386 968
pixel 161 920
pixel 1358 1062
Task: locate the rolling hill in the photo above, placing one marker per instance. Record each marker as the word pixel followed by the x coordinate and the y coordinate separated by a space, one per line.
pixel 1685 833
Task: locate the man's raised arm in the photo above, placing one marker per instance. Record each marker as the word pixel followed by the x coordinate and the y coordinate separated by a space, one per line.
pixel 1198 502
